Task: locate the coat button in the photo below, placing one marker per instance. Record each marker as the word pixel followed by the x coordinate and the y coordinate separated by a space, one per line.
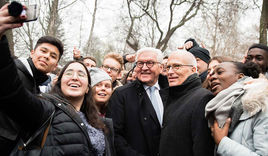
pixel 82 124
pixel 59 104
pixel 145 118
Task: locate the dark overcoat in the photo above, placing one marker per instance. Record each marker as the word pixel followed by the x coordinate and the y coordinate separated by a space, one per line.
pixel 185 130
pixel 137 129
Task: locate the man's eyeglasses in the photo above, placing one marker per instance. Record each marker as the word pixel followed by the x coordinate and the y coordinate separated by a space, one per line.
pixel 110 68
pixel 149 64
pixel 177 66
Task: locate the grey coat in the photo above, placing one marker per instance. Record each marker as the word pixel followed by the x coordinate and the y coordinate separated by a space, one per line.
pixel 250 136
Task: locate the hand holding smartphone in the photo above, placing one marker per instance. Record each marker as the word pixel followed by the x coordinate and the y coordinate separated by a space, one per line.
pixel 16 9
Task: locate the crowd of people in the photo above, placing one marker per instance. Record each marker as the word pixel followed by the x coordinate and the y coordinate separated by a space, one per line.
pixel 186 103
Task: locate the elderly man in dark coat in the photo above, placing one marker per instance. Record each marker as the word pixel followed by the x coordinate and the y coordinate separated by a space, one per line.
pixel 185 131
pixel 137 114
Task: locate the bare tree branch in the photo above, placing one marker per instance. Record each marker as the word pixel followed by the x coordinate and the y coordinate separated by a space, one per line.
pixel 67 5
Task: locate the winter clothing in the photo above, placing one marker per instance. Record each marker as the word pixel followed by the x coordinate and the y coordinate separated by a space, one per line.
pixel 201 53
pixel 137 129
pixel 220 106
pixel 97 75
pixel 96 136
pixel 185 131
pixel 31 79
pixel 249 137
pixel 195 44
pixel 203 76
pixel 67 134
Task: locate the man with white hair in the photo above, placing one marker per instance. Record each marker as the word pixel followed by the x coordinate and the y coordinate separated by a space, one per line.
pixel 185 130
pixel 137 108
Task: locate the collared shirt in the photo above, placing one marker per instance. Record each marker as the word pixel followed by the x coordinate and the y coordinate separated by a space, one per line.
pixel 159 100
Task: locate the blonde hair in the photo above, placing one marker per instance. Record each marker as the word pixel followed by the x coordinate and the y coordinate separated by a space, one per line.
pixel 116 57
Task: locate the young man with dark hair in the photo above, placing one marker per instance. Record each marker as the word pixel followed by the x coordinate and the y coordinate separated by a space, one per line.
pixel 32 72
pixel 258 53
pixel 43 59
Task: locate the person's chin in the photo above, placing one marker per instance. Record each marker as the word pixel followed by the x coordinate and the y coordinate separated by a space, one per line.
pixel 42 69
pixel 173 83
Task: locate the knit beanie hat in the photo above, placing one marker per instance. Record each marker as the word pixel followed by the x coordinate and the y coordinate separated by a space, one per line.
pixel 201 53
pixel 97 75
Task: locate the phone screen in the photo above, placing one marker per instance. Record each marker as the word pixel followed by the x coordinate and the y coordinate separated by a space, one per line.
pixel 32 13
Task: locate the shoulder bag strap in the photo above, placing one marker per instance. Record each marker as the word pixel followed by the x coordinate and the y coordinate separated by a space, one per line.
pixel 49 120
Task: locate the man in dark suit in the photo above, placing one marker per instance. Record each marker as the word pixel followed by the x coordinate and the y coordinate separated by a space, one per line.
pixel 185 131
pixel 137 107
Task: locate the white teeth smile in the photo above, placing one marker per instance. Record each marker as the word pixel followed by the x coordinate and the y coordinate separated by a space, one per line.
pixel 102 94
pixel 74 85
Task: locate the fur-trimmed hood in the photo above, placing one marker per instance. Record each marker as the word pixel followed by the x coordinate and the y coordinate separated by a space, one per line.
pixel 255 98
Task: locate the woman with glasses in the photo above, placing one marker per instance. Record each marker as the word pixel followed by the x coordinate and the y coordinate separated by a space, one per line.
pixel 75 127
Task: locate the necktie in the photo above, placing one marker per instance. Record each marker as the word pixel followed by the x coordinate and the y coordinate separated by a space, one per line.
pixel 155 104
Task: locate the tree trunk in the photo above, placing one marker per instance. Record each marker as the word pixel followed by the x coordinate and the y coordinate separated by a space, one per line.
pixel 92 28
pixel 51 30
pixel 264 22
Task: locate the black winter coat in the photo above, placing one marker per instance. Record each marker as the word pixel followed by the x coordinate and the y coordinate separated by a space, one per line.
pixel 137 129
pixel 185 130
pixel 9 129
pixel 67 134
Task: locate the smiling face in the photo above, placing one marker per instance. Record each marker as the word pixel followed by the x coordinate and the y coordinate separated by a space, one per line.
pixel 112 68
pixel 102 91
pixel 148 76
pixel 74 81
pixel 223 76
pixel 45 57
pixel 176 76
pixel 258 56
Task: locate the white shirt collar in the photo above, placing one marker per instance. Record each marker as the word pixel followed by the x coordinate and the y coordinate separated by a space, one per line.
pixel 156 86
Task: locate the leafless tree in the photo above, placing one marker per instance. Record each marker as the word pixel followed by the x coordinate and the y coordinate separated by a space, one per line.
pixel 164 24
pixel 219 29
pixel 264 22
pixel 88 46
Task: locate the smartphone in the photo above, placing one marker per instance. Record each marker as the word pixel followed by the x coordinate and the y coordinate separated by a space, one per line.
pixel 32 12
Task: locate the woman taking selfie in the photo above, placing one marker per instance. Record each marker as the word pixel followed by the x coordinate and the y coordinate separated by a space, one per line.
pixel 238 114
pixel 75 128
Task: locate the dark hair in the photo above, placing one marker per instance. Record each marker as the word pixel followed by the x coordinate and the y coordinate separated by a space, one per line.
pixel 91 58
pixel 165 57
pixel 248 69
pixel 51 40
pixel 260 46
pixel 88 107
